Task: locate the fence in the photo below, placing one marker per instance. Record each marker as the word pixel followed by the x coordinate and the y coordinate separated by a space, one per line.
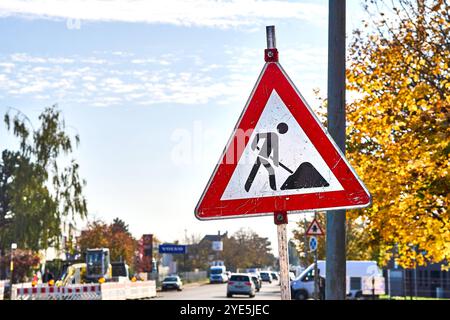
pixel 105 291
pixel 193 276
pixel 418 283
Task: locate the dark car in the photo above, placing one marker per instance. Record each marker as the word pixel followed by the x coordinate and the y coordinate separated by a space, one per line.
pixel 257 282
pixel 265 276
pixel 275 276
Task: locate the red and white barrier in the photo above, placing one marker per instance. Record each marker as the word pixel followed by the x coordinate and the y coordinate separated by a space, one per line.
pixel 45 292
pixel 105 291
pixel 2 288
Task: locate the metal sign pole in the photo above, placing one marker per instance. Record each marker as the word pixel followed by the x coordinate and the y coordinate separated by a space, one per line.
pixel 281 222
pixel 281 217
pixel 335 267
pixel 316 276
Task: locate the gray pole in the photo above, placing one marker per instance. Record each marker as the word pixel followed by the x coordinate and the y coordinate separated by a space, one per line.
pixel 336 263
pixel 316 273
pixel 270 35
pixel 306 242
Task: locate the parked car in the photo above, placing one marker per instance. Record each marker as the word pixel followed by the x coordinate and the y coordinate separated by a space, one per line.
pixel 172 282
pixel 256 281
pixel 241 283
pixel 265 276
pixel 275 276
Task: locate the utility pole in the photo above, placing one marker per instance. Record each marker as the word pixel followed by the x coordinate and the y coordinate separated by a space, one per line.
pixel 335 259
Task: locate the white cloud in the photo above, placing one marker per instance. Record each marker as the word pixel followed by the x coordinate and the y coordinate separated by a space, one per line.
pixel 145 81
pixel 209 13
pixel 89 78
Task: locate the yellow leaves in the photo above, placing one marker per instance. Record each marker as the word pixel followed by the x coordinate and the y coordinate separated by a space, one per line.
pixel 398 131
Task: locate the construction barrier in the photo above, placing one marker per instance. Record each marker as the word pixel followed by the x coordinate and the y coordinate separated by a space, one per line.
pixel 45 292
pixel 114 291
pixel 141 289
pixel 105 291
pixel 2 288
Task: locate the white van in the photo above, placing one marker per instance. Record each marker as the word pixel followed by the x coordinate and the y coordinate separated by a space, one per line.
pixel 218 274
pixel 364 278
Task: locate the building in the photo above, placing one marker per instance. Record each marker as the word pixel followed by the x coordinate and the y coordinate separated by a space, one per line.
pixel 208 249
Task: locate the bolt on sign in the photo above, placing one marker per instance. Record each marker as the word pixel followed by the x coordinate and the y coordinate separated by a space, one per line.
pixel 279 158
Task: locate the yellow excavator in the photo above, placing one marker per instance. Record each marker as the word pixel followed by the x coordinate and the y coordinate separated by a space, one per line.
pixel 74 274
pixel 98 267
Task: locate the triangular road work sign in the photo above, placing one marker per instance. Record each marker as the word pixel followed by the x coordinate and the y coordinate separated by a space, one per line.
pixel 279 158
pixel 315 229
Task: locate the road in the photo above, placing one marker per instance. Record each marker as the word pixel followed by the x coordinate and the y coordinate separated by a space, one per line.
pixel 218 292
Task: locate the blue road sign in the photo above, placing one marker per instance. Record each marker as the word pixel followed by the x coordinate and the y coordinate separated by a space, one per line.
pixel 172 248
pixel 313 243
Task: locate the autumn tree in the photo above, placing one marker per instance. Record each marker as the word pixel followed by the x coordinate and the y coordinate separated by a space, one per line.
pixel 398 127
pixel 114 236
pixel 245 249
pixel 25 262
pixel 357 240
pixel 199 254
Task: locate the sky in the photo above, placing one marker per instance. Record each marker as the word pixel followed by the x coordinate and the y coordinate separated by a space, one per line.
pixel 154 89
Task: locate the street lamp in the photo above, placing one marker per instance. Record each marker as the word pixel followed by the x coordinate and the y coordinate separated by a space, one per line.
pixel 11 265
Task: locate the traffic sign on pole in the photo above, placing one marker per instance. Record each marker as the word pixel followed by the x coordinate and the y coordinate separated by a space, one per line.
pixel 279 158
pixel 313 243
pixel 315 229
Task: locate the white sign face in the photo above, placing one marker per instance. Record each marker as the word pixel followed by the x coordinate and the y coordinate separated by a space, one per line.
pixel 288 165
pixel 313 243
pixel 217 246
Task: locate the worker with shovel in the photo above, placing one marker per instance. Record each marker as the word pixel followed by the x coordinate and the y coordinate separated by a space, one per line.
pixel 268 154
pixel 305 176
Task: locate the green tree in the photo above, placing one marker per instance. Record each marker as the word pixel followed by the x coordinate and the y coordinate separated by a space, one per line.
pixel 119 225
pixel 39 185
